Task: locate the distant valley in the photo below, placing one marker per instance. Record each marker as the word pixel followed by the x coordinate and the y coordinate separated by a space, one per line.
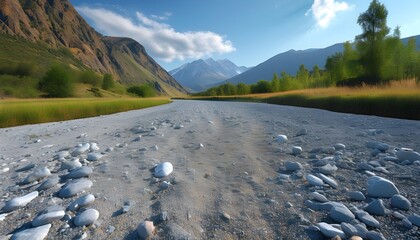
pixel 202 74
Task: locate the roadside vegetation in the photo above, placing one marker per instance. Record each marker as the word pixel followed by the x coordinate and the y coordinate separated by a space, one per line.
pixel 29 111
pixel 374 58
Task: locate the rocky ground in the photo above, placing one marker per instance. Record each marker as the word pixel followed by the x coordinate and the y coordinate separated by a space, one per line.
pixel 240 171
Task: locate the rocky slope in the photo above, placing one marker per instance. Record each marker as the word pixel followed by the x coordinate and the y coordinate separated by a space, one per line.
pixel 57 23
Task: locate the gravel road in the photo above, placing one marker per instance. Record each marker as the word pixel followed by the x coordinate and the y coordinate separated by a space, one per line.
pixel 229 179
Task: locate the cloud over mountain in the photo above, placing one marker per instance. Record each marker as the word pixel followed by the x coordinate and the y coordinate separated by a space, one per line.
pixel 160 39
pixel 324 11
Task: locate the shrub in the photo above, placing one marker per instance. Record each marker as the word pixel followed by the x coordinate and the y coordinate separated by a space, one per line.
pixel 57 82
pixel 145 90
pixel 108 82
pixel 90 77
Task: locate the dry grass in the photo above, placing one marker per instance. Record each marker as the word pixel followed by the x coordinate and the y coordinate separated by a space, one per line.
pixel 399 99
pixel 15 112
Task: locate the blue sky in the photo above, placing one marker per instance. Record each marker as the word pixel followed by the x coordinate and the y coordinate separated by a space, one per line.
pixel 247 32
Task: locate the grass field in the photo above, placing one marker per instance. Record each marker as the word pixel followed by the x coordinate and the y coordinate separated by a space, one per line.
pixel 31 111
pixel 399 99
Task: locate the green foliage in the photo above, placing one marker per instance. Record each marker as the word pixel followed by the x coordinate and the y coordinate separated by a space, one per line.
pixel 145 90
pixel 20 69
pixel 370 43
pixel 57 82
pixel 90 77
pixel 108 82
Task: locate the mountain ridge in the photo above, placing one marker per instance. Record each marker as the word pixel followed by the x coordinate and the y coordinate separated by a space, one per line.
pixel 290 61
pixel 204 73
pixel 58 24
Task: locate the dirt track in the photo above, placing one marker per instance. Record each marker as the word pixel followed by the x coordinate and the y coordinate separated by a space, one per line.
pixel 234 173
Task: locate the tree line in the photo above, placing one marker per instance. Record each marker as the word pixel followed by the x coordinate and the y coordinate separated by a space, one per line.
pixel 375 57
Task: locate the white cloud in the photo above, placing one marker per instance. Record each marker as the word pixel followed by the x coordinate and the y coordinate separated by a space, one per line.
pixel 160 39
pixel 325 10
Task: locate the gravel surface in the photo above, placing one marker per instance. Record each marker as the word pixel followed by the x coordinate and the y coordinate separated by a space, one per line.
pixel 227 177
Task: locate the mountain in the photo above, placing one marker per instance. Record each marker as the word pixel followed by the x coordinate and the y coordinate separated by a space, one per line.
pixel 291 60
pixel 202 74
pixel 57 24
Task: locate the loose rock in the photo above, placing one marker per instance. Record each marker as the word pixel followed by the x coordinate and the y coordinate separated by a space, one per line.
pixel 315 181
pixel 74 187
pixel 47 218
pixel 381 187
pixel 292 166
pixel 81 202
pixel 94 156
pixel 80 173
pixel 356 196
pixel 341 214
pixel 376 207
pixel 38 233
pixel 400 202
pixel 36 175
pixel 49 183
pixel 86 218
pixel 163 170
pixel 19 202
pixel 330 231
pixel 145 229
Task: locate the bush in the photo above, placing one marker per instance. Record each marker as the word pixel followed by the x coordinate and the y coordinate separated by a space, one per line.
pixel 57 82
pixel 108 82
pixel 145 90
pixel 90 77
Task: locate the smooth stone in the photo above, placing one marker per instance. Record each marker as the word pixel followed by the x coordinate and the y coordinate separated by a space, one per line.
pixel 328 180
pixel 365 166
pixel 370 174
pixel 376 207
pixel 19 202
pixel 328 150
pixel 62 155
pixel 319 197
pixel 87 217
pixel 398 215
pixel 321 206
pixel 80 149
pixel 80 173
pixel 341 214
pixel 372 235
pixel 75 187
pixel 302 132
pixel 163 169
pixel 38 173
pixel 296 150
pixel 70 165
pixel 281 138
pixel 356 196
pixel 406 223
pixel 94 156
pixel 292 166
pixel 313 180
pixel 26 167
pixel 38 233
pixel 330 231
pixel 381 187
pixel 145 229
pixel 400 202
pixel 339 146
pixel 94 147
pixel 174 231
pixel 361 230
pixel 47 218
pixel 348 229
pixel 328 169
pixel 367 219
pixel 355 238
pixel 414 219
pixel 81 202
pixel 49 183
pixel 407 154
pixel 377 145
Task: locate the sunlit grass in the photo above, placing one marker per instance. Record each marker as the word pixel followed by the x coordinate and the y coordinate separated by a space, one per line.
pixel 31 111
pixel 399 99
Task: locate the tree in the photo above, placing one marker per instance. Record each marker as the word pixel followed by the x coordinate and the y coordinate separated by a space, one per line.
pixel 107 82
pixel 243 89
pixel 275 83
pixel 370 42
pixel 145 90
pixel 302 75
pixel 57 82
